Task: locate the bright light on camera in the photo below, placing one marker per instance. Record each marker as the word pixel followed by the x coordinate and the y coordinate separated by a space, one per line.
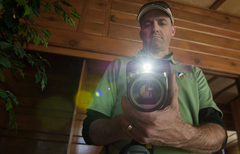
pixel 147 67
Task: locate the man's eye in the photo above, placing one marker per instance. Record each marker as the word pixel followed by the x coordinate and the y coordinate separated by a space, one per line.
pixel 162 23
pixel 146 25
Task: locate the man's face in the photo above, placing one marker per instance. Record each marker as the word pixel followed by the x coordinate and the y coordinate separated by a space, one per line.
pixel 156 31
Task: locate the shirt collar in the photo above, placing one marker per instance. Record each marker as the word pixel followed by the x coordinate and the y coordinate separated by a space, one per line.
pixel 168 57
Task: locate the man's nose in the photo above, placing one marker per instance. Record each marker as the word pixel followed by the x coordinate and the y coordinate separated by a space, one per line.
pixel 156 27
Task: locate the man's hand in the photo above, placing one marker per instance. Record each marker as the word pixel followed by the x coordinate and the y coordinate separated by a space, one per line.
pixel 161 126
pixel 166 127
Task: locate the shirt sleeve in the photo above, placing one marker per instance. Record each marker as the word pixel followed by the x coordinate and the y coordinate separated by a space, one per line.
pixel 205 93
pixel 91 116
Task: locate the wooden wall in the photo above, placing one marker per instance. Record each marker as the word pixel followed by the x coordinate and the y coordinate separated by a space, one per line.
pixel 108 29
pixel 43 117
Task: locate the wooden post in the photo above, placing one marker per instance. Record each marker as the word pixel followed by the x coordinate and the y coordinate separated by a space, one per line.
pixel 235 106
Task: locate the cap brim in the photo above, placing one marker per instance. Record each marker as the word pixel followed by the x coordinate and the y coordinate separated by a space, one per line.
pixel 153 7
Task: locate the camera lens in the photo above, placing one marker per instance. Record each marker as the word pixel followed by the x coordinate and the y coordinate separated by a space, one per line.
pixel 147 92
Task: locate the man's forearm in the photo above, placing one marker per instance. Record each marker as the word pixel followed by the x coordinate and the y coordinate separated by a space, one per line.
pixel 106 131
pixel 207 138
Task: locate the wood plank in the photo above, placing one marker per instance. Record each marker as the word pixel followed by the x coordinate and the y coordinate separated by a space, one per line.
pixel 216 16
pixel 186 40
pixel 184 12
pixel 80 116
pixel 43 124
pixel 44 112
pixel 124 19
pixel 58 103
pixel 78 140
pixel 78 128
pixel 73 125
pixel 32 135
pixel 88 42
pixel 114 47
pixel 28 146
pixel 217 4
pixel 93 28
pixel 130 20
pixel 95 16
pixel 98 5
pixel 85 149
pixel 199 37
pixel 107 19
pixel 130 33
pixel 124 32
pixel 206 61
pixel 55 21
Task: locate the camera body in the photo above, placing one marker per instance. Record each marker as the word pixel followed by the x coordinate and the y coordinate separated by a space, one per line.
pixel 147 83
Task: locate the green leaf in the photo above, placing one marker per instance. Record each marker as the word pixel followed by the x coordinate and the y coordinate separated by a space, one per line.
pixel 75 14
pixel 2 77
pixel 33 32
pixel 23 2
pixel 2 67
pixel 27 10
pixel 30 59
pixel 43 84
pixel 20 71
pixel 9 104
pixel 46 32
pixel 22 29
pixel 13 97
pixel 58 11
pixel 28 36
pixel 65 17
pixel 38 76
pixel 56 5
pixel 37 40
pixel 36 12
pixel 46 7
pixel 45 42
pixel 66 3
pixel 45 78
pixel 12 122
pixel 4 61
pixel 19 63
pixel 4 45
pixel 19 50
pixel 72 22
pixel 3 94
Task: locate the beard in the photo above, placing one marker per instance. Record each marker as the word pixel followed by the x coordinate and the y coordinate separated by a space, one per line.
pixel 156 45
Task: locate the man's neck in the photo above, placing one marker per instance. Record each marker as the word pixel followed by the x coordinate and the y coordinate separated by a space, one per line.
pixel 157 54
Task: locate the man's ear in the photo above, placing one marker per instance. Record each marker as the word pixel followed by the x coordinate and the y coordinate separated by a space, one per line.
pixel 173 31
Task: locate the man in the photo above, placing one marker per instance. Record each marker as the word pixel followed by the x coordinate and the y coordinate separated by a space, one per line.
pixel 191 123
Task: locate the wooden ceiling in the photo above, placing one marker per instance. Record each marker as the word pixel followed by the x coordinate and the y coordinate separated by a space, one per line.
pixel 231 7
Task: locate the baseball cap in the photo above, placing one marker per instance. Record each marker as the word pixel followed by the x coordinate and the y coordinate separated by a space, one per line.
pixel 161 5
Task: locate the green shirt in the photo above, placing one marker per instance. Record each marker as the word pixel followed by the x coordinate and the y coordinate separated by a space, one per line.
pixel 194 94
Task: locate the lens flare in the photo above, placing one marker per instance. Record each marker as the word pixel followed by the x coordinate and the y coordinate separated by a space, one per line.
pixel 83 99
pixel 98 93
pixel 147 67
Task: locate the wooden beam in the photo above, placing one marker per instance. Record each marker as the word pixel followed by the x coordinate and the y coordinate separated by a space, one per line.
pixel 223 90
pixel 235 106
pixel 217 4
